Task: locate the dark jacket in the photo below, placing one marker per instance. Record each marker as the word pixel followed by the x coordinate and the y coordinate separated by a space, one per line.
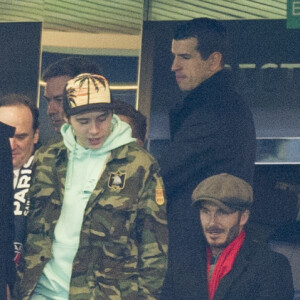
pixel 212 132
pixel 257 274
pixel 7 265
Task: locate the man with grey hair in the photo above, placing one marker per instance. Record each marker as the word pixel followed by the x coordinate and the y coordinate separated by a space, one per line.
pixel 20 112
pixel 237 266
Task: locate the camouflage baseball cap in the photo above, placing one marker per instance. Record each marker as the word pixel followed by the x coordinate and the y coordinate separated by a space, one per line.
pixel 226 191
pixel 86 92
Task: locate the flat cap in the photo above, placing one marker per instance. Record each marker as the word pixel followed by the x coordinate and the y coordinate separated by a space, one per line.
pixel 224 190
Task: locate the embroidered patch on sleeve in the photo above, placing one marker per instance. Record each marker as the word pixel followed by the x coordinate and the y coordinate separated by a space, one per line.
pixel 159 195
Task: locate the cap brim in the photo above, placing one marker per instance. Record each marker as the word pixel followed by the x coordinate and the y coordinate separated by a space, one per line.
pixel 89 107
pixel 216 202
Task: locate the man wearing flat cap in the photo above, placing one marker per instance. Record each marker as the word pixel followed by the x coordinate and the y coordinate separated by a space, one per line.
pixel 237 267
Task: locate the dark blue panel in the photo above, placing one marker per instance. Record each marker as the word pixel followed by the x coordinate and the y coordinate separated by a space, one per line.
pixel 20 58
pixel 115 68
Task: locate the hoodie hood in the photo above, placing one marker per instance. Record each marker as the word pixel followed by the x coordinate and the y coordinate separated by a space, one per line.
pixel 121 135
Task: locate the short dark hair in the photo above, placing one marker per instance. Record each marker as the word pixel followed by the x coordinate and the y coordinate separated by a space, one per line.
pixel 70 66
pixel 210 34
pixel 20 99
pixel 138 119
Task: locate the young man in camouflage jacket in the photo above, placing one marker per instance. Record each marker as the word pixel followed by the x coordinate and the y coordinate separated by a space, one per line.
pixel 97 227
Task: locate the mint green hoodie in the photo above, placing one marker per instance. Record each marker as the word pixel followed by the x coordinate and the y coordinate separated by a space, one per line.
pixel 85 167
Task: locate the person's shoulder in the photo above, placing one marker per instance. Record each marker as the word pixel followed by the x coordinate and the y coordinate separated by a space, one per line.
pixel 269 271
pixel 49 150
pixel 137 153
pixel 50 145
pixel 140 150
pixel 271 257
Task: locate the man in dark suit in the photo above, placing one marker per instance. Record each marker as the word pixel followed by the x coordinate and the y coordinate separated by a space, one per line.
pixel 211 132
pixel 7 265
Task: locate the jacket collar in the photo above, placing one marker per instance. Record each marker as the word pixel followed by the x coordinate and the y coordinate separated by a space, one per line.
pixel 207 89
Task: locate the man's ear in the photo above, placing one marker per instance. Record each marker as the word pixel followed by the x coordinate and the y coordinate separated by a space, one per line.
pixel 244 217
pixel 67 120
pixel 36 136
pixel 215 61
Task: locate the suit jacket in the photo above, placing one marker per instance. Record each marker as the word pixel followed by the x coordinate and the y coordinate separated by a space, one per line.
pixel 257 274
pixel 211 132
pixel 7 265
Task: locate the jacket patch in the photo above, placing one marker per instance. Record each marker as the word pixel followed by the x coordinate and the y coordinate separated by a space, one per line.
pixel 159 195
pixel 116 181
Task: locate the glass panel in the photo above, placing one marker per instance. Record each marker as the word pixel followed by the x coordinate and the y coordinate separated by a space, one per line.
pixel 276 151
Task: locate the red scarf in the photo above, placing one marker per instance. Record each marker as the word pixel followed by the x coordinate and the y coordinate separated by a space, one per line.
pixel 224 263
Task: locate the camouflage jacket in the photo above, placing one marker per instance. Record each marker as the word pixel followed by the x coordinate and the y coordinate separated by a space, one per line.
pixel 123 242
